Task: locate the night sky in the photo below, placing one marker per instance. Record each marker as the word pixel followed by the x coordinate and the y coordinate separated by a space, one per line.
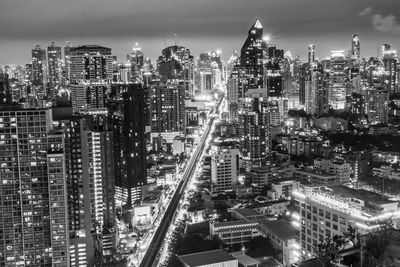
pixel 200 25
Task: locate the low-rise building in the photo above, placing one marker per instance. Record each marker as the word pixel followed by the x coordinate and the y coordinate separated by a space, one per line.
pixel 317 177
pixel 212 258
pixel 283 188
pixel 234 232
pixel 283 237
pixel 387 172
pixel 340 168
pixel 329 211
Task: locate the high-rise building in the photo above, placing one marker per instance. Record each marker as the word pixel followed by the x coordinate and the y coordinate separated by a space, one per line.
pixel 90 185
pixel 377 105
pixel 136 61
pixel 389 59
pixel 355 47
pixel 67 62
pixel 90 63
pixel 34 217
pixel 90 74
pixel 54 67
pixel 167 107
pixel 224 169
pixel 273 80
pixel 338 77
pixel 39 71
pixel 5 89
pixel 252 55
pixel 176 65
pixel 311 53
pixel 127 119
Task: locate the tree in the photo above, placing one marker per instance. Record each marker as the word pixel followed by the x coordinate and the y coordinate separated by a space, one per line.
pixel 329 251
pixel 375 245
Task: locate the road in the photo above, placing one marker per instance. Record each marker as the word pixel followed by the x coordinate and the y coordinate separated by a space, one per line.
pixel 161 231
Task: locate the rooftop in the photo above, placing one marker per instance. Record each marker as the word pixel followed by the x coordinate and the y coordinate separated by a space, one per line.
pixel 362 194
pixel 206 258
pixel 244 259
pixel 233 223
pixel 246 212
pixel 280 228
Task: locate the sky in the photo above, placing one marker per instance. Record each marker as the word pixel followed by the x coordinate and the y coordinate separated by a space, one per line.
pixel 200 25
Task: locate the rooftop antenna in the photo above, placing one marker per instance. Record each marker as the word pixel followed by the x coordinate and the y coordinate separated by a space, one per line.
pixel 176 39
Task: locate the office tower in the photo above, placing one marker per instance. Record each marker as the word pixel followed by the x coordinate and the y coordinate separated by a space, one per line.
pixel 357 107
pixel 127 119
pixel 176 65
pixel 355 47
pixel 54 67
pixel 67 62
pixel 254 127
pixel 136 61
pixel 39 72
pixel 90 75
pixel 89 98
pixel 224 169
pixel 389 59
pixel 328 211
pixel 5 90
pixel 319 92
pixel 377 105
pixel 236 87
pixel 204 75
pixel 304 83
pixel 273 80
pixel 91 63
pixel 311 53
pixel 337 80
pixel 252 55
pixel 34 218
pixel 167 107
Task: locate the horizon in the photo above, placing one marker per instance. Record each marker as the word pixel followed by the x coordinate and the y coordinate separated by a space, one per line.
pixel 221 24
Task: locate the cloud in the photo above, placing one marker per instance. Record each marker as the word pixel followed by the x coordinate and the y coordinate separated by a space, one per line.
pixel 366 11
pixel 387 23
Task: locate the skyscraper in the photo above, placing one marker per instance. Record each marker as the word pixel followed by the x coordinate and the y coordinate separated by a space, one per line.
pixel 252 55
pixel 311 53
pixel 54 63
pixel 127 119
pixel 355 47
pixel 176 65
pixel 167 107
pixel 39 71
pixel 90 75
pixel 34 218
pixel 5 89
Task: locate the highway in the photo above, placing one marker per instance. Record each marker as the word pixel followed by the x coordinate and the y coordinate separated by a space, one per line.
pixel 160 233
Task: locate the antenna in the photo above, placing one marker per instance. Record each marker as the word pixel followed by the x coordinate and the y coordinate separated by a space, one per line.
pixel 175 39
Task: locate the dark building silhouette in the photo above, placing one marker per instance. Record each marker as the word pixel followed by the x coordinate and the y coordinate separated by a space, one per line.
pixel 127 119
pixel 5 90
pixel 252 54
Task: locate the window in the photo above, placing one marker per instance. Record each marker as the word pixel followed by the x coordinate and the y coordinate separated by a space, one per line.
pixel 334 217
pixel 342 221
pixel 327 215
pixel 321 212
pixel 314 210
pixel 335 227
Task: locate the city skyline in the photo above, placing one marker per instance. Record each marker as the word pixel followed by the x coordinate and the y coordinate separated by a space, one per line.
pixel 199 27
